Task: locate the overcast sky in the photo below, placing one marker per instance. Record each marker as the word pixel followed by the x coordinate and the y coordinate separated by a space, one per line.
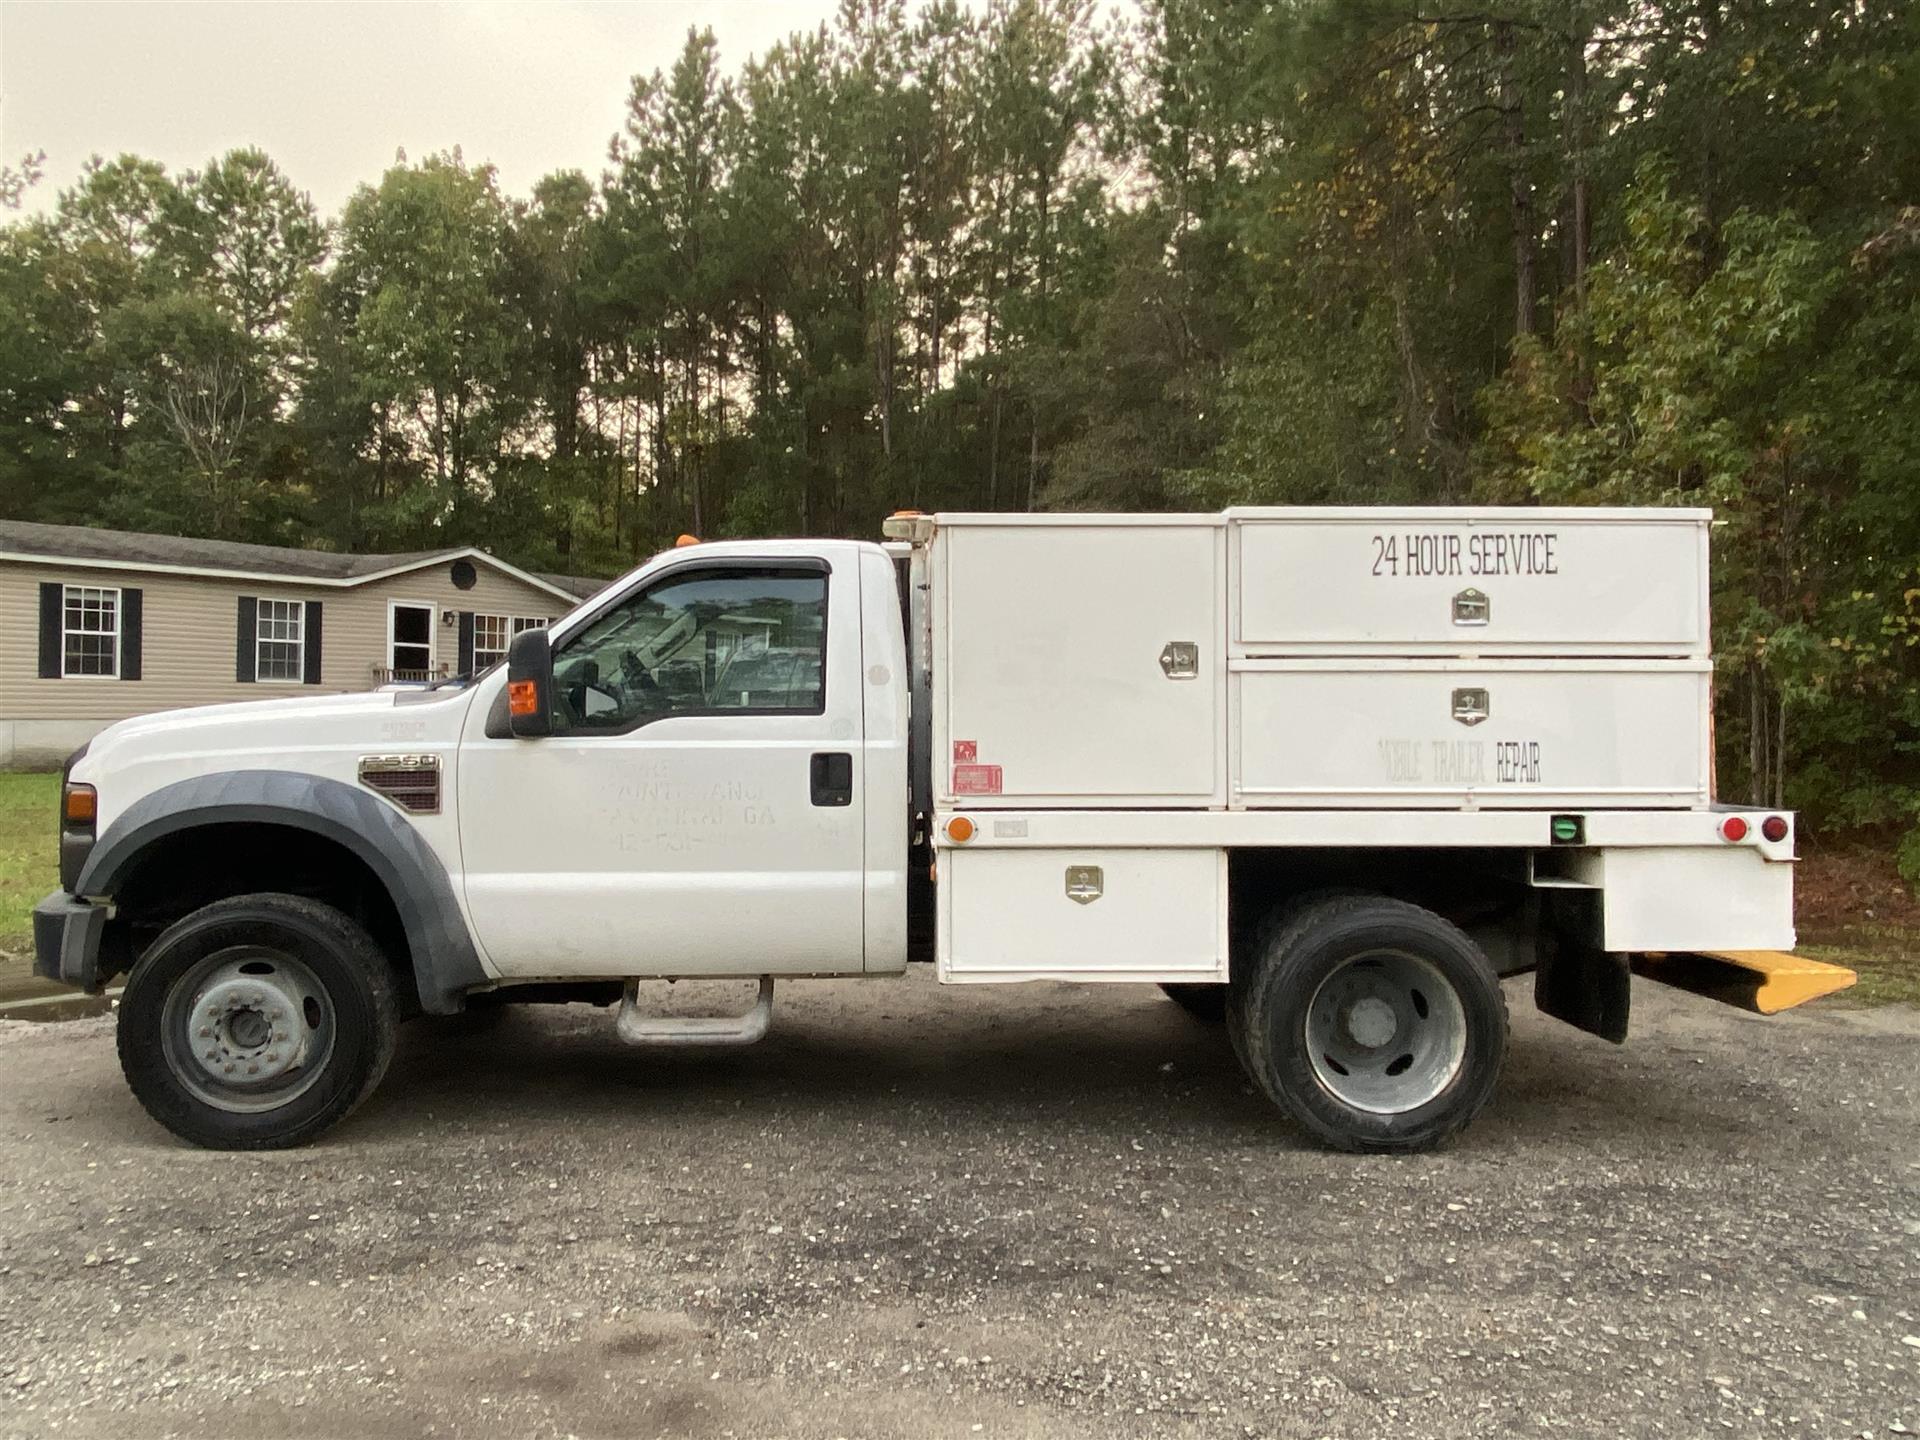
pixel 331 89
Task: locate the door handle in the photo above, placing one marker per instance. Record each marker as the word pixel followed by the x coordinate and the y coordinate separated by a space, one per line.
pixel 832 778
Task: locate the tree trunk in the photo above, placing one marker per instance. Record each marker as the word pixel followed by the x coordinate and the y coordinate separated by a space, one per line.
pixel 1033 458
pixel 1520 187
pixel 993 452
pixel 1709 11
pixel 1580 232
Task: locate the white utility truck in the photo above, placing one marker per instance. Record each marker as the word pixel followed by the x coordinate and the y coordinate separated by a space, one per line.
pixel 1326 774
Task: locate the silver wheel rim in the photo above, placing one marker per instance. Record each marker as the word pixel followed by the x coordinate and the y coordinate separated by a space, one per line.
pixel 247 1029
pixel 1386 1032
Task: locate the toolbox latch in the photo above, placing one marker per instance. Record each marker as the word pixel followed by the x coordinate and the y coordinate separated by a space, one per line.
pixel 1472 607
pixel 1471 705
pixel 1085 884
pixel 1180 660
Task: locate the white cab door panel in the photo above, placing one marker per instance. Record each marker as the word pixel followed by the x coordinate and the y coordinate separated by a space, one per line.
pixel 682 824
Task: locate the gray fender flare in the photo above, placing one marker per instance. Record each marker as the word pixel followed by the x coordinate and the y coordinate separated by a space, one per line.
pixel 445 963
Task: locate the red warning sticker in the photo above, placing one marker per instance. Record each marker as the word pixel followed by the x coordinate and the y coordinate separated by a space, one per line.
pixel 976 779
pixel 965 752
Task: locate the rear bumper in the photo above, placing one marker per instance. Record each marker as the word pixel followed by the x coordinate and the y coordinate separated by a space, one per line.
pixel 66 940
pixel 1763 981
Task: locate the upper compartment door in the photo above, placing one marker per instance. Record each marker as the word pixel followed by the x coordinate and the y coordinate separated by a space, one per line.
pixel 1483 582
pixel 1081 663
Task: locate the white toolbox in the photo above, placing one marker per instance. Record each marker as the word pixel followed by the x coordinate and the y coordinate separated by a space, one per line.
pixel 1079 661
pixel 1321 658
pixel 1108 913
pixel 1580 733
pixel 1465 582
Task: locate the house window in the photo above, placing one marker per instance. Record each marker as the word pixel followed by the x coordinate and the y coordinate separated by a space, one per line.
pixel 489 640
pixel 90 631
pixel 492 632
pixel 279 641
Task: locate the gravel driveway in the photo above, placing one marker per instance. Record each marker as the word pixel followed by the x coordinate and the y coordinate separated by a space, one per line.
pixel 1042 1211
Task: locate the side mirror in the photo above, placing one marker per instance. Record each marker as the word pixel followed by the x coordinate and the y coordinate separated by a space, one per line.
pixel 530 684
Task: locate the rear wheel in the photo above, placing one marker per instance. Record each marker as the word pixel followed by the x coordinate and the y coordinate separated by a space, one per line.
pixel 257 1022
pixel 1376 1024
pixel 1205 1003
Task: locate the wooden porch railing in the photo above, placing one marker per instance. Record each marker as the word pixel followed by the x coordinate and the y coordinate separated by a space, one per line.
pixel 387 675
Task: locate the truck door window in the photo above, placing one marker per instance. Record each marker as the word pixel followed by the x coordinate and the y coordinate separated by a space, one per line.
pixel 721 640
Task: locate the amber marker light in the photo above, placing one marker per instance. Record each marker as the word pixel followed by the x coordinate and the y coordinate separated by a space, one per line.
pixel 960 829
pixel 523 697
pixel 686 540
pixel 80 806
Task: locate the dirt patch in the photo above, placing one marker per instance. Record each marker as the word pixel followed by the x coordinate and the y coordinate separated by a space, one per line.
pixel 1836 886
pixel 1852 908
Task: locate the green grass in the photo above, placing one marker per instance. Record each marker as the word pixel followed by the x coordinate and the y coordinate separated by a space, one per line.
pixel 29 855
pixel 1886 956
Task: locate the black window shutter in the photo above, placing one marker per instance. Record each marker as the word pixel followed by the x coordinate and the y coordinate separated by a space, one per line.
pixel 311 636
pixel 466 644
pixel 53 599
pixel 131 610
pixel 243 646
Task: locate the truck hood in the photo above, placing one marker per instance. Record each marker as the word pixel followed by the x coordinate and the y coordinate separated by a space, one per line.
pixel 320 734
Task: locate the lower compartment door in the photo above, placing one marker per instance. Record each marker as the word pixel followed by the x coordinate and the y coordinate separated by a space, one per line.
pixel 1125 915
pixel 1577 734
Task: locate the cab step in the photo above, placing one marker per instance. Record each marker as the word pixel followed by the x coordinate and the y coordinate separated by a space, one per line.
pixel 639 1029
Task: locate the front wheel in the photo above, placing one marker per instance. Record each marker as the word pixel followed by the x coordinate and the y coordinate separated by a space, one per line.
pixel 257 1022
pixel 1374 1023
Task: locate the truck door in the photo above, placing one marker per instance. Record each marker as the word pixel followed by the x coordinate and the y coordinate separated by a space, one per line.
pixel 699 808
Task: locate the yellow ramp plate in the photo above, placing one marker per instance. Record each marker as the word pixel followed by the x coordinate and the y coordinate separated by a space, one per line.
pixel 1767 981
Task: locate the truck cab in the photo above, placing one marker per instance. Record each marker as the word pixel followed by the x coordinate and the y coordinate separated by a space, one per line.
pixel 723 775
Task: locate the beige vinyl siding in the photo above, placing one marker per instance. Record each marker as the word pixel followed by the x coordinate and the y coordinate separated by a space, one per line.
pixel 188 635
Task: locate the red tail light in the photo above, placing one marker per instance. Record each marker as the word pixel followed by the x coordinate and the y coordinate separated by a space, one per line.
pixel 1774 827
pixel 1733 829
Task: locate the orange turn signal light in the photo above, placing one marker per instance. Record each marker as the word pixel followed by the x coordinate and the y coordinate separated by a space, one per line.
pixel 523 697
pixel 960 829
pixel 80 805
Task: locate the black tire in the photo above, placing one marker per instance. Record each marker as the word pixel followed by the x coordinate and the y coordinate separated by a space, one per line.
pixel 1205 1003
pixel 1247 951
pixel 1449 1045
pixel 323 978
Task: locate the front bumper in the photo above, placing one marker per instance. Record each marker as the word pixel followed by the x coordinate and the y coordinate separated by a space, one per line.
pixel 66 940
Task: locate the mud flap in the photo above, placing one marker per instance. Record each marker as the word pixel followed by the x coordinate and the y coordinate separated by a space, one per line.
pixel 1576 981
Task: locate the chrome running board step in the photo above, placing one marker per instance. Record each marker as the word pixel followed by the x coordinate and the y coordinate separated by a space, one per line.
pixel 638 1029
